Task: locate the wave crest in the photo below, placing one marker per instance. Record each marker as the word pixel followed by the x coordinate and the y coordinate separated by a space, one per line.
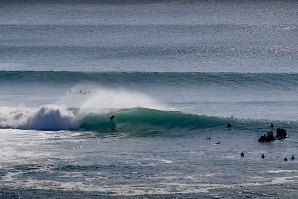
pixel 132 122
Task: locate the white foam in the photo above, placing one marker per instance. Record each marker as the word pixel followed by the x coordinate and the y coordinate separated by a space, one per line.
pixel 283 171
pixel 58 117
pixel 46 117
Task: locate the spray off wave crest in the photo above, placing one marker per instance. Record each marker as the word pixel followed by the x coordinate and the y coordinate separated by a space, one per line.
pixel 135 114
pixel 140 122
pixel 129 120
pixel 55 117
pixel 109 100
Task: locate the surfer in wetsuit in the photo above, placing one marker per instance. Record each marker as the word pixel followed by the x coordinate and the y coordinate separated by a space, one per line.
pixel 112 117
pixel 286 159
pixel 113 128
pixel 229 125
pixel 263 156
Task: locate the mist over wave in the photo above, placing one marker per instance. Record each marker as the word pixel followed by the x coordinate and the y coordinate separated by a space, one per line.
pixel 64 116
pixel 135 114
pixel 131 121
pixel 108 100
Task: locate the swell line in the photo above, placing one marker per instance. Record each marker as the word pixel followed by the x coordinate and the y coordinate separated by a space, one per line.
pixel 188 78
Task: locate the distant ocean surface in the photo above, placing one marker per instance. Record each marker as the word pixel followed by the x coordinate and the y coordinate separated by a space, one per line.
pixel 173 74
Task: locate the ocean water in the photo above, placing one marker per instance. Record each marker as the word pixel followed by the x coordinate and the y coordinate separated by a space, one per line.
pixel 173 73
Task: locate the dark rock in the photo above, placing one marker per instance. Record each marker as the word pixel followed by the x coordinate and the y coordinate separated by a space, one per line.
pixel 268 137
pixel 281 133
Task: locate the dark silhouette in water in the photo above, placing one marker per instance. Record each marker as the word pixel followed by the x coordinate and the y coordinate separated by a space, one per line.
pixel 286 159
pixel 268 137
pixel 263 156
pixel 229 125
pixel 281 133
pixel 209 138
pixel 292 158
pixel 242 154
pixel 271 125
pixel 113 128
pixel 217 143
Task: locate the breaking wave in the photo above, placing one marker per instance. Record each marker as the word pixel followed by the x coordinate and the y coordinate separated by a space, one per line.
pixel 47 117
pixel 132 121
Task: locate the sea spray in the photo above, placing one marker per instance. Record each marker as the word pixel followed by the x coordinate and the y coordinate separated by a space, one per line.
pixel 69 112
pixel 108 100
pixel 135 114
pixel 130 121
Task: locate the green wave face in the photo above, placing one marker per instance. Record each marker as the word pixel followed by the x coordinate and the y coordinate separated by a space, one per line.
pixel 141 122
pixel 149 122
pixel 146 122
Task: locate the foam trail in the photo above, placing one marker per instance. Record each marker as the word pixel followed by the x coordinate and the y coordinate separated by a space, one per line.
pixel 46 117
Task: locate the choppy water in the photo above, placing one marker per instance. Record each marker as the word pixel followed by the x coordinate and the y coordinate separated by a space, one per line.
pixel 173 73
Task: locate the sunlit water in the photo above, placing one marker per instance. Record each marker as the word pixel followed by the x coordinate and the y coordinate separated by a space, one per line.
pixel 173 74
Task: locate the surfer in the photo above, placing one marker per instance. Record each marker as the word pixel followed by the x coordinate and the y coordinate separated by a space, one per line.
pixel 292 158
pixel 271 125
pixel 263 156
pixel 242 154
pixel 286 159
pixel 113 128
pixel 229 125
pixel 217 143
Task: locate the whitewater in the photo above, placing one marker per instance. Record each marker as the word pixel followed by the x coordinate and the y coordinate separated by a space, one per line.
pixel 132 99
